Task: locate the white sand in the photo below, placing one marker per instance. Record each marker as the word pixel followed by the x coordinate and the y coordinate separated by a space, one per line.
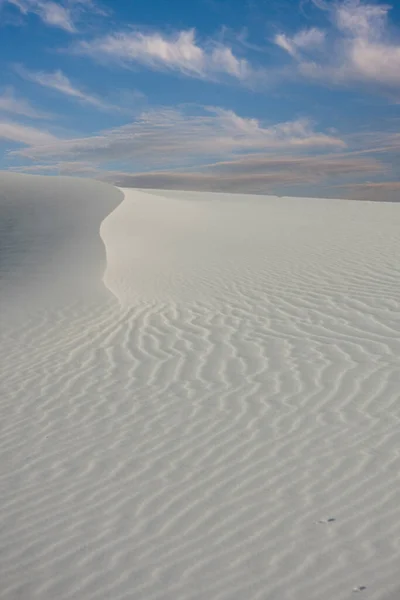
pixel 180 432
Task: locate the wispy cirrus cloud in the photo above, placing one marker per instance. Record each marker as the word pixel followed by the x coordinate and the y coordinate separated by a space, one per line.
pixel 363 49
pixel 179 52
pixel 211 149
pixel 61 83
pixel 62 15
pixel 170 138
pixel 12 104
pixel 24 134
pixel 51 13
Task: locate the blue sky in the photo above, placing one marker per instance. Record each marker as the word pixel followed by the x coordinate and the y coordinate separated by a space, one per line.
pixel 297 97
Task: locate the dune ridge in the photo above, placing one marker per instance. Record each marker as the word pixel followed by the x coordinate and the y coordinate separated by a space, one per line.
pixel 223 422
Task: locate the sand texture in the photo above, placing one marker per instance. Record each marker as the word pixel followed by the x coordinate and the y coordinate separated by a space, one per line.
pixel 199 395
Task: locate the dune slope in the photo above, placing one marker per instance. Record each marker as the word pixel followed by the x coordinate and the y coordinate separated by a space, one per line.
pixel 50 246
pixel 219 417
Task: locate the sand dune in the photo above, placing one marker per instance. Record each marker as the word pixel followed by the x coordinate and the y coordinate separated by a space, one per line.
pixel 199 395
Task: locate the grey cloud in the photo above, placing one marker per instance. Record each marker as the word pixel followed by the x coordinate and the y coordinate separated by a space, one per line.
pixel 73 168
pixel 383 191
pixel 261 183
pixel 296 176
pixel 316 166
pixel 253 174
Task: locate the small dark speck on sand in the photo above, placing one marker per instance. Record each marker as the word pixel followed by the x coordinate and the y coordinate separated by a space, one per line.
pixel 330 520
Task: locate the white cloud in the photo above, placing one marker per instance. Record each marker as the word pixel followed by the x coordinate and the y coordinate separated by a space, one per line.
pixel 59 82
pixel 23 134
pixel 169 138
pixel 361 20
pixel 363 51
pixel 178 52
pixel 56 15
pixel 51 13
pixel 306 38
pixel 375 62
pixel 10 103
pixel 62 15
pixel 369 54
pixel 285 42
